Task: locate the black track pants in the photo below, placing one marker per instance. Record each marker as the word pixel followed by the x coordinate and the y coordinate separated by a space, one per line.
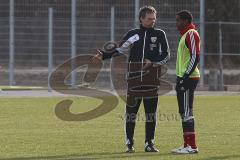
pixel 185 99
pixel 150 107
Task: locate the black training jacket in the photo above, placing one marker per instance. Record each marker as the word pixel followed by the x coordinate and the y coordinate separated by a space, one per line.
pixel 144 43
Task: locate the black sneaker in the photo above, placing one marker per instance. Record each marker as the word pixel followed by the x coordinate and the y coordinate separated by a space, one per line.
pixel 149 147
pixel 130 148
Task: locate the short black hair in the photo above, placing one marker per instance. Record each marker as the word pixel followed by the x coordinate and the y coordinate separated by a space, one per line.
pixel 185 15
pixel 146 9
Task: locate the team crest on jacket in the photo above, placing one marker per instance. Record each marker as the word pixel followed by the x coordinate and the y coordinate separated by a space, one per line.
pixel 153 39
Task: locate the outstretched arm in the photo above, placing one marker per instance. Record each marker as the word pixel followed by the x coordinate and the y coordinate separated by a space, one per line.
pixel 124 46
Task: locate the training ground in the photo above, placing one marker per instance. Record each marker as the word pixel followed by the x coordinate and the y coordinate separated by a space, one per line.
pixel 30 130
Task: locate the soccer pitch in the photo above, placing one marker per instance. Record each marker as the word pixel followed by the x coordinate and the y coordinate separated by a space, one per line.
pixel 30 130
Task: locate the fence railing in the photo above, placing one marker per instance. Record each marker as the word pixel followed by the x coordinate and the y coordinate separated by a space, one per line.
pixel 26 37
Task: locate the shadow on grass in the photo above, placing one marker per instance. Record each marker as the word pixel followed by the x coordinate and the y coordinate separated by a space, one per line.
pixel 222 157
pixel 112 155
pixel 91 156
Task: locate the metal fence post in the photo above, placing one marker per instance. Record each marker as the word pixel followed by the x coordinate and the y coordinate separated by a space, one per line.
pixel 112 24
pixel 50 45
pixel 202 35
pixel 73 40
pixel 220 57
pixel 136 13
pixel 11 43
pixel 112 37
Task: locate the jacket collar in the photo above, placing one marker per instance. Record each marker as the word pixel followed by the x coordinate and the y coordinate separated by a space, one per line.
pixel 188 27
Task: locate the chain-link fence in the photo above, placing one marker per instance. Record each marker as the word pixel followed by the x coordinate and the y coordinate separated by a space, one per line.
pixel 94 28
pixel 222 55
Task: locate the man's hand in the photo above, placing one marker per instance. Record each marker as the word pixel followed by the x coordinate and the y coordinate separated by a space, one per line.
pixel 97 57
pixel 184 82
pixel 147 64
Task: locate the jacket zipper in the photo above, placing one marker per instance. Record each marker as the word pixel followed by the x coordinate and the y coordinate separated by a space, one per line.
pixel 143 53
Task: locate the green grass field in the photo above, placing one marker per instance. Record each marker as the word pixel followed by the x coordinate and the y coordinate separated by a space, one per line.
pixel 29 130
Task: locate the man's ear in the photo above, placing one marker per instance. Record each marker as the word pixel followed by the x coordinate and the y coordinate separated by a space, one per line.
pixel 185 22
pixel 141 18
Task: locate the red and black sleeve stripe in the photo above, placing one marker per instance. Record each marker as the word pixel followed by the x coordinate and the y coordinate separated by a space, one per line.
pixel 192 42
